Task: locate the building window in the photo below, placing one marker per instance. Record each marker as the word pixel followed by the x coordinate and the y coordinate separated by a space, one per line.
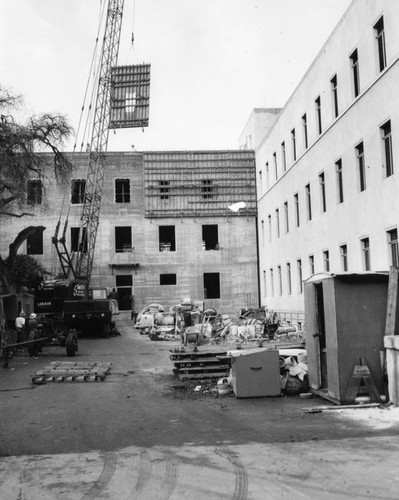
pixel 123 239
pixel 308 202
pixel 267 176
pixel 387 148
pixel 277 223
pixel 326 260
pixel 322 183
pixel 355 72
pixel 393 245
pixel 269 223
pixel 296 203
pixel 260 181
pixel 340 183
pixel 365 246
pixel 76 245
pixel 122 191
pixel 286 217
pixel 271 281
pixel 264 284
pixel 167 279
pixel 207 188
pixel 34 192
pixel 78 187
pixel 293 144
pixel 167 241
pixel 164 189
pixel 289 285
pixel 210 237
pixel 280 281
pixel 334 95
pixel 380 37
pixel 299 273
pixel 318 115
pixel 124 283
pixel 262 225
pixel 343 250
pixel 305 130
pixel 283 157
pixel 211 286
pixel 275 165
pixel 311 264
pixel 361 167
pixel 34 244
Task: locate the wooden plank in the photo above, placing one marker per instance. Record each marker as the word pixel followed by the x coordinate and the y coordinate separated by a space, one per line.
pixel 199 376
pixel 204 369
pixel 390 322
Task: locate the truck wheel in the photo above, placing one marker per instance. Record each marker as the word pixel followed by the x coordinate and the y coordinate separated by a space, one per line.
pixel 71 344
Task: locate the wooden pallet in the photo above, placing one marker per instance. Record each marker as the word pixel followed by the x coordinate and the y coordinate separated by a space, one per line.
pixel 69 371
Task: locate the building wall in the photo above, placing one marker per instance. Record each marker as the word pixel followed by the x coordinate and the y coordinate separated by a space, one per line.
pixel 362 214
pixel 142 262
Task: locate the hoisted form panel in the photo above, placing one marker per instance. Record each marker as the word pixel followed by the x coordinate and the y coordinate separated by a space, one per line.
pixel 130 96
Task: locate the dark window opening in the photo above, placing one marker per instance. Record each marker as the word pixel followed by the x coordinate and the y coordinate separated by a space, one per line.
pixel 308 202
pixel 393 244
pixel 322 183
pixel 305 130
pixel 365 243
pixel 167 279
pixel 361 166
pixel 387 145
pixel 123 239
pixel 78 187
pixel 207 188
pixel 164 189
pixel 380 36
pixel 210 237
pixel 340 181
pixel 34 244
pixel 293 143
pixel 334 90
pixel 211 286
pixel 355 72
pixel 167 241
pixel 75 232
pixel 124 283
pixel 122 190
pixel 34 192
pixel 318 115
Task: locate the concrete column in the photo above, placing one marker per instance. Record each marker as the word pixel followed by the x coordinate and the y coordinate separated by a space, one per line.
pixel 391 343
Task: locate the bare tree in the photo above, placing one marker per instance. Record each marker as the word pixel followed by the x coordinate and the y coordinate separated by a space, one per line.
pixel 22 159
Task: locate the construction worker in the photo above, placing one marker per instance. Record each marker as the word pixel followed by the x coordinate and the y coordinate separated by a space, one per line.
pixel 20 326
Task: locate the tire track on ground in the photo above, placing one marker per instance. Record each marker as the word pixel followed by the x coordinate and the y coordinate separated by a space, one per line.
pixel 170 480
pixel 241 486
pixel 145 471
pixel 105 477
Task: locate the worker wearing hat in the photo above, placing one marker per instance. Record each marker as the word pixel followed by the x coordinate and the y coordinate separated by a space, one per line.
pixel 20 326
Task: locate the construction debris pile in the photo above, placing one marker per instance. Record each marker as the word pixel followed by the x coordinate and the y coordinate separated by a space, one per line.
pixel 189 322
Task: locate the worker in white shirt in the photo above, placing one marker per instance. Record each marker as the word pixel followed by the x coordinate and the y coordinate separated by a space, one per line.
pixel 20 326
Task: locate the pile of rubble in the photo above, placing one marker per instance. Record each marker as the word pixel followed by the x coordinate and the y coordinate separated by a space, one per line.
pixel 189 322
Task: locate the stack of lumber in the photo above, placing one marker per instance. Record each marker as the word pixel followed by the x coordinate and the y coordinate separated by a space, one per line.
pixel 205 362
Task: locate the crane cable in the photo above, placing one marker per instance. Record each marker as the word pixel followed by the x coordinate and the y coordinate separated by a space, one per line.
pixel 93 71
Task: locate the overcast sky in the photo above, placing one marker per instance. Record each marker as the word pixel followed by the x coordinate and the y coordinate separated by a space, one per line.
pixel 212 61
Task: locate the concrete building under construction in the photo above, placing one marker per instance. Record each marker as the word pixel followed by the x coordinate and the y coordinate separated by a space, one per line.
pixel 166 231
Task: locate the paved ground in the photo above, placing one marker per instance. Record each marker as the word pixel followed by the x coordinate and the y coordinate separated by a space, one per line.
pixel 141 434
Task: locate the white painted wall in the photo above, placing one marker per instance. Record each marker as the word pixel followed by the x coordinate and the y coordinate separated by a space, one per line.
pixel 362 214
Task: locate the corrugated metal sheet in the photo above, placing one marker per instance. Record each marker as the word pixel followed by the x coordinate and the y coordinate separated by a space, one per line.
pixel 130 96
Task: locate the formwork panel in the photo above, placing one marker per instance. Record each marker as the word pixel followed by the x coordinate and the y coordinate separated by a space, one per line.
pixel 130 96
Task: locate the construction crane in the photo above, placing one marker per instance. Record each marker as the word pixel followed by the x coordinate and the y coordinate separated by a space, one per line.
pixel 81 266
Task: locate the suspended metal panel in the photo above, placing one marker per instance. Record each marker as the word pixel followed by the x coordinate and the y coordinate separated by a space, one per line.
pixel 130 96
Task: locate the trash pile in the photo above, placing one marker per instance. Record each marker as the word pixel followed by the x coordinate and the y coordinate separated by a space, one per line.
pixel 189 322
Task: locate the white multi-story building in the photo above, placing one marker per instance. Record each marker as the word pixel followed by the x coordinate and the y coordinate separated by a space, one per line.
pixel 328 166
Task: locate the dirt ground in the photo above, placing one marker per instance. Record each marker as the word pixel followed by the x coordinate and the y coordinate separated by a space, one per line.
pixel 141 433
